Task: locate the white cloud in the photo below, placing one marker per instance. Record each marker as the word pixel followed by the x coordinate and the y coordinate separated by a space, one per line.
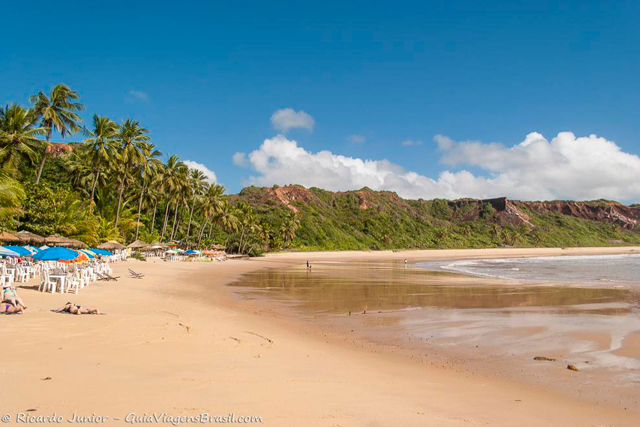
pixel 211 175
pixel 137 95
pixel 286 118
pixel 357 139
pixel 411 142
pixel 240 159
pixel 566 167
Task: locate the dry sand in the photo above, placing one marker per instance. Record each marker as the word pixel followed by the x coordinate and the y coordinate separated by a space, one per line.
pixel 179 342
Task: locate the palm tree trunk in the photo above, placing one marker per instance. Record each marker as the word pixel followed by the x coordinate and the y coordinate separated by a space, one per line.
pixel 122 184
pixel 153 219
pixel 44 158
pixel 166 217
pixel 241 238
pixel 202 232
pixel 95 183
pixel 144 184
pixel 175 222
pixel 193 206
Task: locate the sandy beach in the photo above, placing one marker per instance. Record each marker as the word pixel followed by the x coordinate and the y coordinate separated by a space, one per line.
pixel 180 342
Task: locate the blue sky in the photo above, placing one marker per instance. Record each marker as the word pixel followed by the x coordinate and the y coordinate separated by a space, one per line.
pixel 206 77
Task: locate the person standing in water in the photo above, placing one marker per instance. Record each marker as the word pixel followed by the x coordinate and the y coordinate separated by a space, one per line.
pixel 308 265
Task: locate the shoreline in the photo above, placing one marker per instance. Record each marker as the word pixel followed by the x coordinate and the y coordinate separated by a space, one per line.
pixel 184 341
pixel 380 328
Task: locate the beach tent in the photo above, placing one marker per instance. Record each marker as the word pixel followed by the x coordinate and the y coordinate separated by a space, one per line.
pixel 7 237
pixel 111 245
pixel 29 237
pixel 137 245
pixel 7 252
pixel 153 248
pixel 57 253
pixel 20 250
pixel 56 240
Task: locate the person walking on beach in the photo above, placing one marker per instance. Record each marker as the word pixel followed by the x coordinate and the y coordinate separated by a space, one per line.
pixel 308 265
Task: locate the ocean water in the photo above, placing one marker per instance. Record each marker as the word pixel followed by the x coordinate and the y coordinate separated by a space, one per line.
pixel 597 269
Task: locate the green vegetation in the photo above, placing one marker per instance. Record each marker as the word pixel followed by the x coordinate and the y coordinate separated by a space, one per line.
pixel 338 221
pixel 112 185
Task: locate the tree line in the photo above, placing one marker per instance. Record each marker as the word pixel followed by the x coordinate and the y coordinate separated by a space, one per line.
pixel 113 184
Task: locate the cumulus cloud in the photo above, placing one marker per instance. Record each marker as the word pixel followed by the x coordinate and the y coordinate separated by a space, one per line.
pixel 534 169
pixel 287 118
pixel 211 175
pixel 137 95
pixel 357 139
pixel 240 159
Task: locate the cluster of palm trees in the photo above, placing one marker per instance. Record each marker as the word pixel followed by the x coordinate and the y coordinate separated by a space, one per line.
pixel 117 173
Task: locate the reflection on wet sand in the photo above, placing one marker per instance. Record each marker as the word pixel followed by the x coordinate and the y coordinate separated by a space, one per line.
pixel 477 320
pixel 340 288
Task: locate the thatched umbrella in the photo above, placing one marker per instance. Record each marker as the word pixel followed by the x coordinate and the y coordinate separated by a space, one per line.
pixel 218 247
pixel 66 242
pixel 29 237
pixel 111 246
pixel 6 237
pixel 77 244
pixel 137 245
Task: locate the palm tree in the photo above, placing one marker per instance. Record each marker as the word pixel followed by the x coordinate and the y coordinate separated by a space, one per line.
pixel 148 166
pixel 213 207
pixel 181 199
pixel 102 145
pixel 289 227
pixel 198 183
pixel 56 111
pixel 174 174
pixel 154 192
pixel 11 196
pixel 18 137
pixel 132 138
pixel 247 221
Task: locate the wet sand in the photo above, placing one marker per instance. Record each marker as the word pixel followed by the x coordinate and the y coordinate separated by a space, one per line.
pixel 492 326
pixel 179 341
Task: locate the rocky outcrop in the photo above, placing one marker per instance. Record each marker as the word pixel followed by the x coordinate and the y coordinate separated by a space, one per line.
pixel 627 217
pixel 513 212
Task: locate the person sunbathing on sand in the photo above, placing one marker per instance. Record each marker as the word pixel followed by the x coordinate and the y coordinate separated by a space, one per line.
pixel 6 308
pixel 76 309
pixel 10 295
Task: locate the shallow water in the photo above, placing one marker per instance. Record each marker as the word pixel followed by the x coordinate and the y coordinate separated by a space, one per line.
pixel 600 269
pixel 591 322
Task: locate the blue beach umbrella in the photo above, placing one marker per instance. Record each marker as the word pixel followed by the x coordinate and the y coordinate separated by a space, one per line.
pixel 56 253
pixel 32 249
pixel 7 252
pixel 100 251
pixel 20 250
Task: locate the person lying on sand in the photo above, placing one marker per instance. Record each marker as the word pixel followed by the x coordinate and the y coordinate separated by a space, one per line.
pixel 10 295
pixel 76 309
pixel 6 308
